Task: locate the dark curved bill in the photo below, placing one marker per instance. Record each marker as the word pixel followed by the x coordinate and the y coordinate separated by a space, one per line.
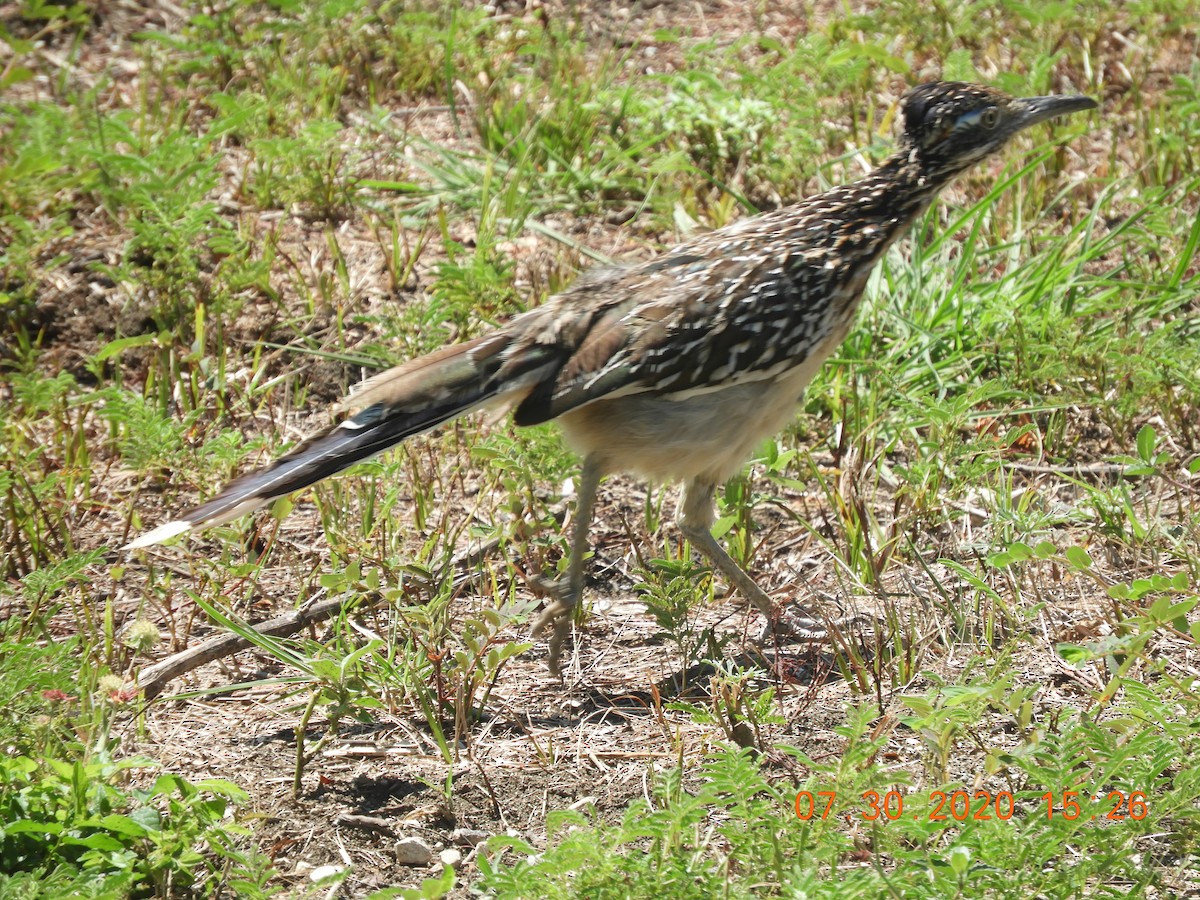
pixel 1039 109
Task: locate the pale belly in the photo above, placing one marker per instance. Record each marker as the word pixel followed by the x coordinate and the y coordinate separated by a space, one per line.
pixel 706 437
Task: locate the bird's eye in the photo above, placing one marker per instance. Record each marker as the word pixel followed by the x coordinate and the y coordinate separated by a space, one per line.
pixel 990 117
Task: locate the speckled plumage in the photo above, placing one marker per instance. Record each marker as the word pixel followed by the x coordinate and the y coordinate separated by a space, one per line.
pixel 678 367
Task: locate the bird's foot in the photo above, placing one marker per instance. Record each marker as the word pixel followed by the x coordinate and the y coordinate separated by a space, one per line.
pixel 800 622
pixel 794 621
pixel 558 613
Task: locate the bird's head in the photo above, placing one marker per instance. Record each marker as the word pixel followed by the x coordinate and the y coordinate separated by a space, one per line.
pixel 951 125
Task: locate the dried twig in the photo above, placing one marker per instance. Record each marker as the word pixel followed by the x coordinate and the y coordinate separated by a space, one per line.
pixel 151 680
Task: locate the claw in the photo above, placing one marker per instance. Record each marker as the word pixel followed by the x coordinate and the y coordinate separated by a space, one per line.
pixel 795 621
pixel 558 613
pixel 800 622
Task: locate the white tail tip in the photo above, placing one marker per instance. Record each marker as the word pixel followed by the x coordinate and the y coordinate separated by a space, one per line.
pixel 159 534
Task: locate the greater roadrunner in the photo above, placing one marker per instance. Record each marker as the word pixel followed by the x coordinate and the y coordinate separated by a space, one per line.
pixel 677 368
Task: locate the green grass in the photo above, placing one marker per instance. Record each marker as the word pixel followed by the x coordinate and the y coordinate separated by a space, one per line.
pixel 204 245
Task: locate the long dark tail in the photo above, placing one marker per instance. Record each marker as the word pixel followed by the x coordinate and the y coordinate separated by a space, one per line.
pixel 399 403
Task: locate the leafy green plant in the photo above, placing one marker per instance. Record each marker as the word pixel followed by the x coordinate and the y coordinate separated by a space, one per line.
pixel 431 888
pixel 737 704
pixel 159 190
pixel 168 838
pixel 308 168
pixel 476 667
pixel 673 599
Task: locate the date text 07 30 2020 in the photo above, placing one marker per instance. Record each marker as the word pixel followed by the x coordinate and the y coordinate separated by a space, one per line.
pixel 979 805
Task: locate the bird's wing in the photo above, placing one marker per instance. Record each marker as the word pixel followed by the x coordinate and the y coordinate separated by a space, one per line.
pixel 680 325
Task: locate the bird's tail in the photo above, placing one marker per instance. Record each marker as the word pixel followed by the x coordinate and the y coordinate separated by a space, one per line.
pixel 394 405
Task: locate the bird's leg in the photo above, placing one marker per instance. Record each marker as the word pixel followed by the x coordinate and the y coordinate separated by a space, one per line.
pixel 566 595
pixel 695 516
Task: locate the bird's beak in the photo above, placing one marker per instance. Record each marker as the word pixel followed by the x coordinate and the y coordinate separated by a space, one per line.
pixel 1031 110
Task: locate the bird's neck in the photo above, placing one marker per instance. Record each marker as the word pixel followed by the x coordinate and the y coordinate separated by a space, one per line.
pixel 892 196
pixel 846 230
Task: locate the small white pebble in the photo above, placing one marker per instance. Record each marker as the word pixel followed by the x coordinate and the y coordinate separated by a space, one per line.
pixel 320 873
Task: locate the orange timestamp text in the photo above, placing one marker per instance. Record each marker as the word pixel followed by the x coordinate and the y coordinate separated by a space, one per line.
pixel 962 806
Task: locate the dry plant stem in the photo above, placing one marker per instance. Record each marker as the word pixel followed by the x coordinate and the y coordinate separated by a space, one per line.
pixel 302 758
pixel 152 680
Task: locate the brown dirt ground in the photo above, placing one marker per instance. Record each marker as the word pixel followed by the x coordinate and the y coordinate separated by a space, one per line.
pixel 603 725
